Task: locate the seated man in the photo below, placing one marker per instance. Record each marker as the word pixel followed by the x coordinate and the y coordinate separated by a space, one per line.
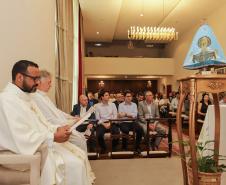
pixel 24 129
pixel 105 111
pixel 164 106
pixel 87 127
pixel 119 99
pixel 148 109
pixel 79 110
pixel 91 99
pixel 139 97
pixel 128 109
pixel 52 113
pixel 175 101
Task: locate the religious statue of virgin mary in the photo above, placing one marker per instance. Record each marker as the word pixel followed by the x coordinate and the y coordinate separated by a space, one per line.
pixel 205 51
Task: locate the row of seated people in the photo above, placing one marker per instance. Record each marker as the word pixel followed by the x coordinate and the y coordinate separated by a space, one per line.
pixel 106 110
pixel 127 109
pixel 158 98
pixel 164 103
pixel 202 104
pixel 204 100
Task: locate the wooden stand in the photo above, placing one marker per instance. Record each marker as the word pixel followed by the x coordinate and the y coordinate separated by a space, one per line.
pixel 194 85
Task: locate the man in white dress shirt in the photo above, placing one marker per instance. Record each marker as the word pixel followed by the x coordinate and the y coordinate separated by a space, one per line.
pixel 79 110
pixel 87 127
pixel 105 111
pixel 24 129
pixel 52 113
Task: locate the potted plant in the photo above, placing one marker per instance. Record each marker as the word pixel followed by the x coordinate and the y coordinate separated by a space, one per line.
pixel 209 172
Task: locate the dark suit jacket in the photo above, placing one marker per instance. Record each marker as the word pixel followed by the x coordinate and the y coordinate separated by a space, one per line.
pixel 77 108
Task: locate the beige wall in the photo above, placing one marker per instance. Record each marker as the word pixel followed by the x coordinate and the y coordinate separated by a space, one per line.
pixel 121 50
pixel 27 32
pixel 178 50
pixel 128 66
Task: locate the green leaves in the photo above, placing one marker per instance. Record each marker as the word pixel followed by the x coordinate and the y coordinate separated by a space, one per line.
pixel 207 164
pixel 205 157
pixel 205 160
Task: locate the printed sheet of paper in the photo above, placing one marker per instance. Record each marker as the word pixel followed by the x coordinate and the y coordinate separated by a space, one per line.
pixel 84 118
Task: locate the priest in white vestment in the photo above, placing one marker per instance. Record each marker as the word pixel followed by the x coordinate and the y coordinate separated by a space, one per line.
pixel 52 113
pixel 24 129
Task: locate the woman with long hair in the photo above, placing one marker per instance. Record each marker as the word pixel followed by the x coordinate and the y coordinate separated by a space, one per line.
pixel 203 106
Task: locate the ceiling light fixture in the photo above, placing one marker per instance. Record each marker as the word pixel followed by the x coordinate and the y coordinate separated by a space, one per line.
pixel 152 33
pixel 98 32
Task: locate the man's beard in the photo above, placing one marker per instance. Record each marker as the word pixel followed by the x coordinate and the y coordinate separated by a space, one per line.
pixel 28 89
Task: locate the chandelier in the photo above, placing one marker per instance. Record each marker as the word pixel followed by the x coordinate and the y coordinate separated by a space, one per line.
pixel 152 33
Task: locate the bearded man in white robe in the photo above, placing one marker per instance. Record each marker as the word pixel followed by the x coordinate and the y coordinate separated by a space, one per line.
pixel 52 113
pixel 24 129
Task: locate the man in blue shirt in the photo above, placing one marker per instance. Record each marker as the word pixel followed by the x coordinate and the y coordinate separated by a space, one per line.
pixel 128 109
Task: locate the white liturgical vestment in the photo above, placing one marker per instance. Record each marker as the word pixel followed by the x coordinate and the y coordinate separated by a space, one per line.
pixel 58 117
pixel 23 129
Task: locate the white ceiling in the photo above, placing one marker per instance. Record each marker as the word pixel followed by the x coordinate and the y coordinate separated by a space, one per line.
pixel 112 18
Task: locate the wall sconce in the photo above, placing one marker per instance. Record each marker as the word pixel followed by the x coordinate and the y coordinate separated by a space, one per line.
pixel 101 84
pixel 149 84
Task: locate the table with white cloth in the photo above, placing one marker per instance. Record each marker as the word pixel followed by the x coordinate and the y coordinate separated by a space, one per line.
pixel 207 132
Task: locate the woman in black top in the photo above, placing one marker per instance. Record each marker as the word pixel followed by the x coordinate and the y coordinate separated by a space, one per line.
pixel 203 105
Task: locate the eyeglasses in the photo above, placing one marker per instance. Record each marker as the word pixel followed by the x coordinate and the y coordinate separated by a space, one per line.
pixel 34 78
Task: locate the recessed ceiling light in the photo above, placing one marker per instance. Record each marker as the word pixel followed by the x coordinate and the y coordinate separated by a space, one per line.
pixel 141 15
pixel 98 32
pixel 98 44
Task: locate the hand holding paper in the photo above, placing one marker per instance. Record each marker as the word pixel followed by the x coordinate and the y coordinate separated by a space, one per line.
pixel 82 119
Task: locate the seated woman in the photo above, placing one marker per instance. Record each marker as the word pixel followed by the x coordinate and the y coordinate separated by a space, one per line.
pixel 203 105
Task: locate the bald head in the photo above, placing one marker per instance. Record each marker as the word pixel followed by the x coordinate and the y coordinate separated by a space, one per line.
pixel 83 100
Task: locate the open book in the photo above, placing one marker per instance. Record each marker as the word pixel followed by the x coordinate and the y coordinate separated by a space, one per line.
pixel 83 118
